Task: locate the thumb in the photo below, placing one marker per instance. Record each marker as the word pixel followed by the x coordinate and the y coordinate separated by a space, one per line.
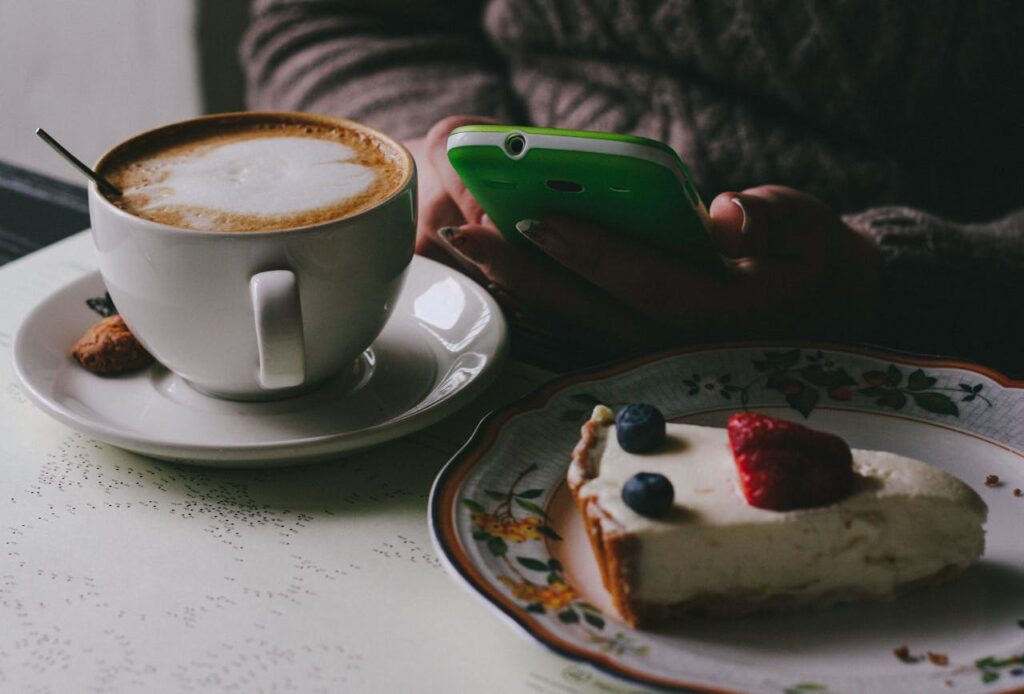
pixel 728 224
pixel 772 221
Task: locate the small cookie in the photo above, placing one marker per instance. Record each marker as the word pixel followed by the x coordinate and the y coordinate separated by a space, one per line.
pixel 110 348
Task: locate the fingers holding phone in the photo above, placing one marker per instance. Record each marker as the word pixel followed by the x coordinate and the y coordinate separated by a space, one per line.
pixel 630 255
pixel 451 183
pixel 542 296
pixel 443 200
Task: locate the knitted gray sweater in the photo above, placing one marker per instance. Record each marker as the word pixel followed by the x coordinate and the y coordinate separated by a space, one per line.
pixel 908 117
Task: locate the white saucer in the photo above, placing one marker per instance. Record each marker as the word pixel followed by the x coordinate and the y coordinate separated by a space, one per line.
pixel 439 350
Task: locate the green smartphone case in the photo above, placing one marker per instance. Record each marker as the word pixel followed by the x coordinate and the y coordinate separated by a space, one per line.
pixel 623 183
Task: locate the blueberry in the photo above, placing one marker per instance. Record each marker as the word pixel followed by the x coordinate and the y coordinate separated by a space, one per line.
pixel 649 494
pixel 639 427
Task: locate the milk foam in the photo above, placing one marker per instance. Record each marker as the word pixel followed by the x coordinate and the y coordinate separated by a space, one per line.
pixel 262 177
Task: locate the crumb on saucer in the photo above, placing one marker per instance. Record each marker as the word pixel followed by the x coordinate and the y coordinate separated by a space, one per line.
pixel 109 347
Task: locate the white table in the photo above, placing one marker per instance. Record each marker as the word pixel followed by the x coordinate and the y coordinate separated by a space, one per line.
pixel 121 573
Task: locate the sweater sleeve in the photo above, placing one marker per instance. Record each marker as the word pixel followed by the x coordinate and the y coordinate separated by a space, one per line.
pixel 398 66
pixel 951 289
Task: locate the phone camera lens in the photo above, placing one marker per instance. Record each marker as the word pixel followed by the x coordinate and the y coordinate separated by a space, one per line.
pixel 515 144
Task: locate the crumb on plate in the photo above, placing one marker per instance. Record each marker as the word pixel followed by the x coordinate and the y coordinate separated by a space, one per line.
pixel 903 653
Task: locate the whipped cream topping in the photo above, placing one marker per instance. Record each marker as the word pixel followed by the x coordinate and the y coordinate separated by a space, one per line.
pixel 906 520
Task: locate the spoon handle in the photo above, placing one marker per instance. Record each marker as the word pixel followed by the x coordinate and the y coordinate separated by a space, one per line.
pixel 103 183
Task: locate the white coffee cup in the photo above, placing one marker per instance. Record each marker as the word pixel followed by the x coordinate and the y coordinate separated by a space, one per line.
pixel 258 314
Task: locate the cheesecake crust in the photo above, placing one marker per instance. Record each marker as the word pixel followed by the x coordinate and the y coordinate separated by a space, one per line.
pixel 616 553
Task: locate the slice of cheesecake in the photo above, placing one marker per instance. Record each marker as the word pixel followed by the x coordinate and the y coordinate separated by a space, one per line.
pixel 902 524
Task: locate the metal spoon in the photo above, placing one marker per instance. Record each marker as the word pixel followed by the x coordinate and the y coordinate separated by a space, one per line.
pixel 103 183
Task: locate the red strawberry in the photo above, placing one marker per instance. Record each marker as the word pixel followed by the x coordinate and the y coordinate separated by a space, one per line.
pixel 784 465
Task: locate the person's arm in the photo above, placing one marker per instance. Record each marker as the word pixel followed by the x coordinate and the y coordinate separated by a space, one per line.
pixel 949 288
pixel 397 66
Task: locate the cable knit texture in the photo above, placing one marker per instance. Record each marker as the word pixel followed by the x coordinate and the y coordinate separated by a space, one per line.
pixel 905 116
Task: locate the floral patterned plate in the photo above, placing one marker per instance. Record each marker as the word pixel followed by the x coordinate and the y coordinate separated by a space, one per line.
pixel 505 525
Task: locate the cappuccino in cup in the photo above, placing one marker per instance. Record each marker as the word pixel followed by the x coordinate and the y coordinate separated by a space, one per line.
pixel 254 172
pixel 256 254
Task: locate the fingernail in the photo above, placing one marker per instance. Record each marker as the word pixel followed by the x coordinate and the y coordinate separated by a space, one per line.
pixel 529 227
pixel 486 220
pixel 539 233
pixel 450 235
pixel 739 203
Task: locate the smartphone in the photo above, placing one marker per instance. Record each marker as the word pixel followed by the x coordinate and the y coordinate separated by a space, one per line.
pixel 627 184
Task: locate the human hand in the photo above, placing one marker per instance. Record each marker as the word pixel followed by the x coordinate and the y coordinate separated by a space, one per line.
pixel 445 204
pixel 443 199
pixel 796 270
